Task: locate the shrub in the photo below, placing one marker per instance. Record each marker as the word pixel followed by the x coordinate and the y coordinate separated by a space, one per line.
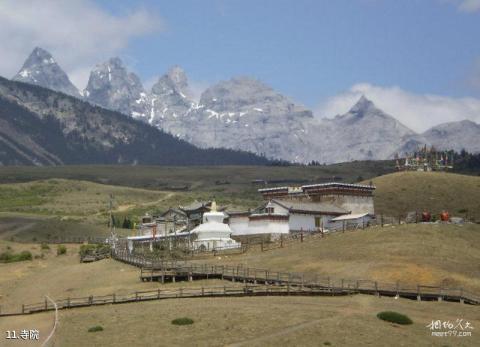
pixel 61 249
pixel 94 248
pixel 182 321
pixel 8 257
pixel 24 255
pixel 45 247
pixel 95 329
pixel 394 317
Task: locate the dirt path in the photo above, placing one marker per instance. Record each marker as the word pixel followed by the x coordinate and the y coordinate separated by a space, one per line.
pixel 123 208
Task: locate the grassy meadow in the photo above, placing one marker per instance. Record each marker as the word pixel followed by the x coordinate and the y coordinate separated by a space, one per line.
pixel 436 254
pixel 401 192
pixel 253 321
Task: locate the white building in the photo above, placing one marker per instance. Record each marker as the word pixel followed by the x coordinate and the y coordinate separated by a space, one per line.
pixel 213 233
pixel 284 217
pixel 350 221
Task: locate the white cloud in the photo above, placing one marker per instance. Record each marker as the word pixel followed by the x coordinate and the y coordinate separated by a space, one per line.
pixel 469 5
pixel 465 5
pixel 417 111
pixel 78 33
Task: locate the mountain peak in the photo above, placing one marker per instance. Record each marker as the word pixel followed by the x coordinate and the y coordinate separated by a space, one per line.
pixel 174 82
pixel 363 104
pixel 41 69
pixel 40 53
pixel 178 75
pixel 115 62
pixel 110 85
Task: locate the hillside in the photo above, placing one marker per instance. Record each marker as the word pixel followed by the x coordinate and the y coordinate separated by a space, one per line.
pixel 39 126
pixel 401 192
pixel 204 178
pixel 252 321
pixel 415 253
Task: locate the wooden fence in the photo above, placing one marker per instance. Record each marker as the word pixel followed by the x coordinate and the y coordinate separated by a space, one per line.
pixel 173 270
pixel 158 294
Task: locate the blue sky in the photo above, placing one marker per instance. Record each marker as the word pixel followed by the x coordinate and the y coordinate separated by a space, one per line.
pixel 313 49
pixel 419 60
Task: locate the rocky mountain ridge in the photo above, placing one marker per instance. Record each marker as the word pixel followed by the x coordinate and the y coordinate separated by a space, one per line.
pixel 39 126
pixel 245 114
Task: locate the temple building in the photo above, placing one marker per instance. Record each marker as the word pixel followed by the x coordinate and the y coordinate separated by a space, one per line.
pixel 309 208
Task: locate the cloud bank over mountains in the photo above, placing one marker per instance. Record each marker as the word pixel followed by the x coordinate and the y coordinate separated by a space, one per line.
pixel 77 32
pixel 417 111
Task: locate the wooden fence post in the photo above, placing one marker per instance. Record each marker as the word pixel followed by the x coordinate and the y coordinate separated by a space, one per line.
pixel 114 298
pixel 23 308
pixel 46 304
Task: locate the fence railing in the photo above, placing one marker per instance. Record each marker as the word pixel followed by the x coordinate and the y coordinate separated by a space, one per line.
pixel 151 269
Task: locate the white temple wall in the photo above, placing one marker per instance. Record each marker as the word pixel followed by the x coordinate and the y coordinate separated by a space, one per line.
pixel 301 222
pixel 265 226
pixel 239 225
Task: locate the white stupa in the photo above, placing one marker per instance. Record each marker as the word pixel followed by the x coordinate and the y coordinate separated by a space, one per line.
pixel 213 233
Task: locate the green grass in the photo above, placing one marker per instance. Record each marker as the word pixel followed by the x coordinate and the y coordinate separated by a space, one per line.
pixel 394 317
pixel 182 321
pixel 95 329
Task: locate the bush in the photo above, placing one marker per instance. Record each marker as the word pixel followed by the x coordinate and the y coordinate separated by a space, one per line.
pixel 94 249
pixel 182 321
pixel 95 329
pixel 394 317
pixel 61 249
pixel 45 247
pixel 8 257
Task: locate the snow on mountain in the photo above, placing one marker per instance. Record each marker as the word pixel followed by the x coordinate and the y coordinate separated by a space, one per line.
pixel 111 86
pixel 41 69
pixel 246 114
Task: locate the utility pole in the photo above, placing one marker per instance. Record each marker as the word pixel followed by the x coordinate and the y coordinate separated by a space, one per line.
pixel 112 226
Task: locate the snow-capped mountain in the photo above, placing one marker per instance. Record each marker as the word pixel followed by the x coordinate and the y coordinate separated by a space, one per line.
pixel 111 86
pixel 41 69
pixel 364 132
pixel 245 114
pixel 170 104
pixel 460 135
